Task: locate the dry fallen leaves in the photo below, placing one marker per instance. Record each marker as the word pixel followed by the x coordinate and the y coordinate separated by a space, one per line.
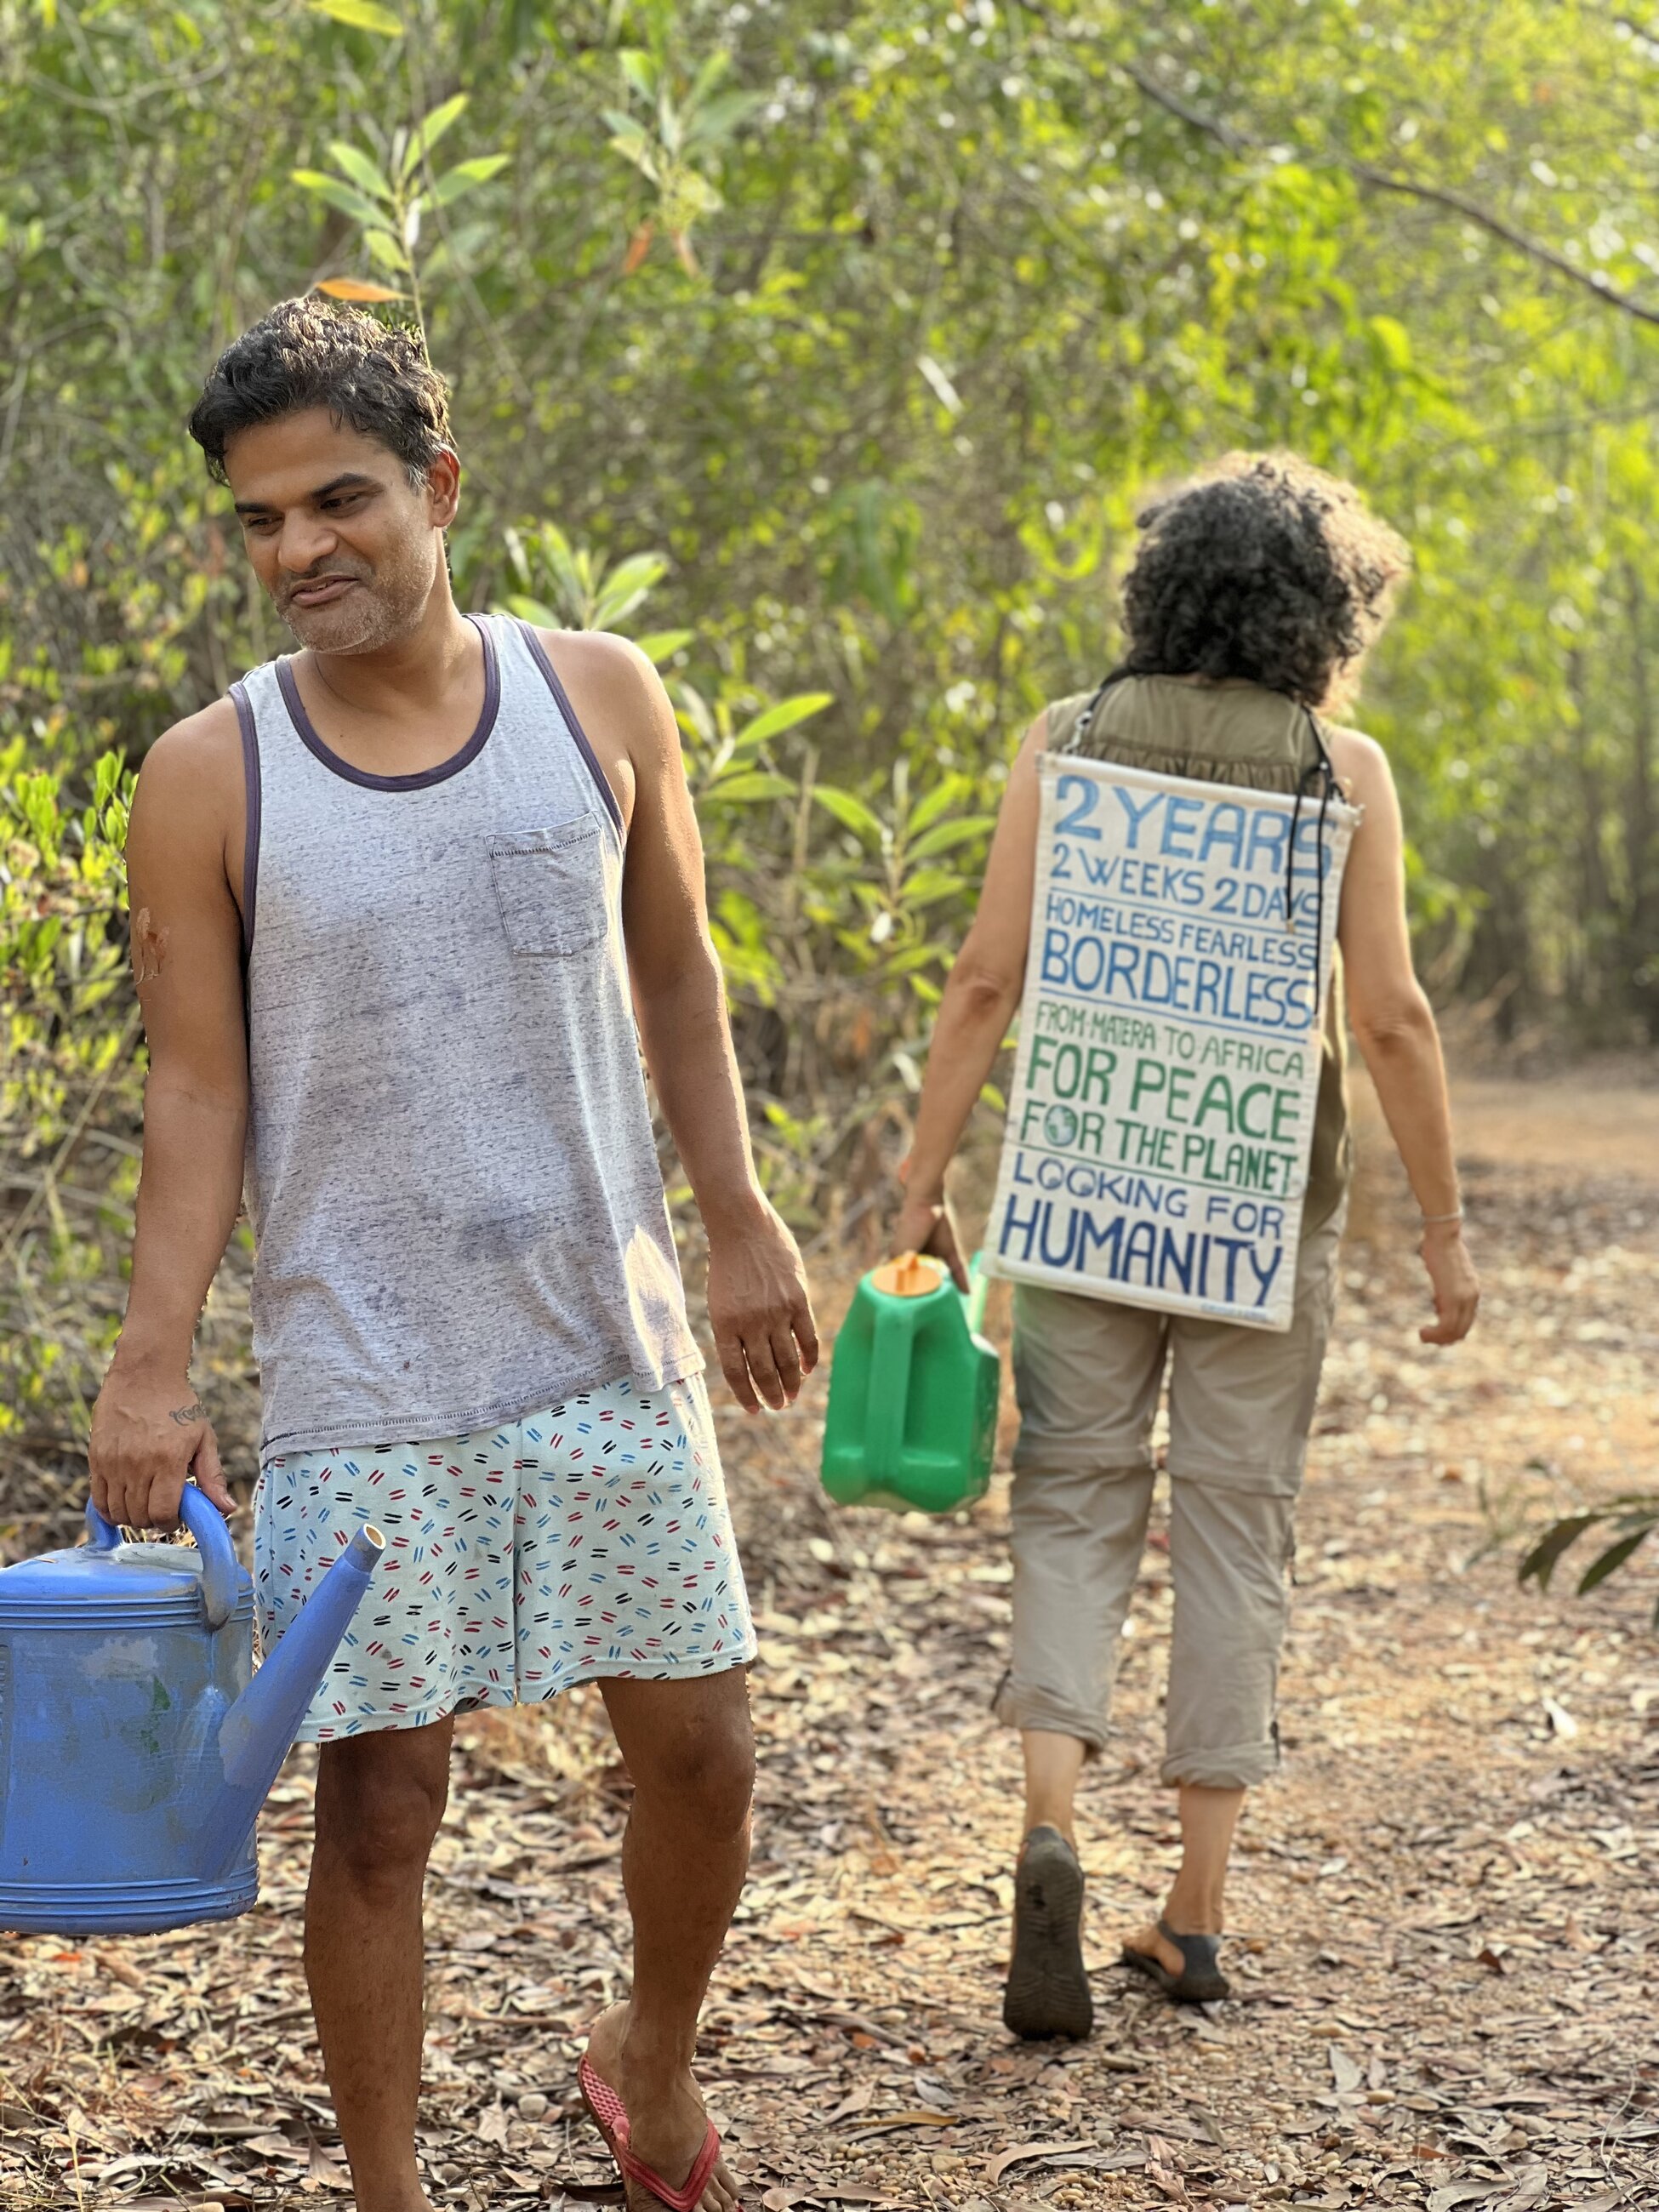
pixel 1004 2160
pixel 1428 1815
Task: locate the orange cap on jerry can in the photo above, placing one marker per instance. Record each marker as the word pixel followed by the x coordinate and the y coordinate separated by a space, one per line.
pixel 909 1276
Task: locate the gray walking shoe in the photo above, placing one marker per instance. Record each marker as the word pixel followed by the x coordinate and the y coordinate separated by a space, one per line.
pixel 1048 1992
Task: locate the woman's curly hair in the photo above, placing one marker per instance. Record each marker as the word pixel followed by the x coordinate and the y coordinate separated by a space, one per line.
pixel 313 352
pixel 1265 568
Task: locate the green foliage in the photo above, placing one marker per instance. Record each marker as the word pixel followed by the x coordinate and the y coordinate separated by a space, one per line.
pixel 685 125
pixel 1632 1518
pixel 361 15
pixel 390 205
pixel 71 1070
pixel 963 284
pixel 580 590
pixel 61 960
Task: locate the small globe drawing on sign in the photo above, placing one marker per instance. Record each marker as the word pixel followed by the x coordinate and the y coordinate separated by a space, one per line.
pixel 1059 1125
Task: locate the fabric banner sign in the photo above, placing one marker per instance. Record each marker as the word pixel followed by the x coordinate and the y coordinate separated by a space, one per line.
pixel 1161 1123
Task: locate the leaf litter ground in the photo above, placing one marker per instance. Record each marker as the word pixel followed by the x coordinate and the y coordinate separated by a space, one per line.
pixel 1444 1910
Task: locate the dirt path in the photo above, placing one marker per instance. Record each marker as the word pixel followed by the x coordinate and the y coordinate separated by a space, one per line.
pixel 1447 1948
pixel 1580 1125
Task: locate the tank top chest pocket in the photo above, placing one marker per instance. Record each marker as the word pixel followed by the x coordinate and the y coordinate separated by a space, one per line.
pixel 551 888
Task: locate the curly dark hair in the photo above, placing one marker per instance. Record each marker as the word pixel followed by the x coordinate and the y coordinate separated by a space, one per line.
pixel 312 352
pixel 1265 568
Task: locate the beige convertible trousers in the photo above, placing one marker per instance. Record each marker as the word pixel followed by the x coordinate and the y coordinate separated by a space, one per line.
pixel 1088 1375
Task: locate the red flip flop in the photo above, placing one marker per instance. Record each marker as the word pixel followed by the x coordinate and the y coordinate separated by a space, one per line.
pixel 610 2118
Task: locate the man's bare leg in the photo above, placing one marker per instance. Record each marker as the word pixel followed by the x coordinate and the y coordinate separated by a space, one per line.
pixel 380 1799
pixel 690 1752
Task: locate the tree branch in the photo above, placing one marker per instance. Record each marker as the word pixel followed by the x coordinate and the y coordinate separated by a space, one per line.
pixel 1381 180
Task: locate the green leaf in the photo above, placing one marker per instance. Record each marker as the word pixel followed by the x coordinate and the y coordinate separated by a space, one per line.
pixel 633 142
pixel 383 248
pixel 644 161
pixel 342 195
pixel 628 583
pixel 946 793
pixel 532 611
pixel 1612 1557
pixel 784 715
pixel 712 70
pixel 361 15
pixel 946 835
pixel 639 570
pixel 640 71
pixel 914 956
pixel 429 130
pixel 695 716
pixel 722 118
pixel 360 170
pixel 662 645
pixel 1541 1561
pixel 850 811
pixel 1394 341
pixel 928 885
pixel 463 177
pixel 752 784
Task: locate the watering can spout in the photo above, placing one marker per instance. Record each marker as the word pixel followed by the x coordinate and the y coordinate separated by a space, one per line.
pixel 257 1732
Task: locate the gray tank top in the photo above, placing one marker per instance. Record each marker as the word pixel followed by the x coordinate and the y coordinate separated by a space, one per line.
pixel 457 1206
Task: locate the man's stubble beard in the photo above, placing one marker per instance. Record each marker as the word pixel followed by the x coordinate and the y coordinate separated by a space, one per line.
pixel 378 613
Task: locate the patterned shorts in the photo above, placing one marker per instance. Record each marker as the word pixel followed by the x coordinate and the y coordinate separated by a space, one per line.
pixel 592 1540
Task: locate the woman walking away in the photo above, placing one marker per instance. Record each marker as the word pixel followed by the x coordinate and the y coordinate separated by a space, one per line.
pixel 1256 592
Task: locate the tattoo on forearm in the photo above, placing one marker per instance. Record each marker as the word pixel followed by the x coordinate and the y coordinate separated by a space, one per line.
pixel 187 1416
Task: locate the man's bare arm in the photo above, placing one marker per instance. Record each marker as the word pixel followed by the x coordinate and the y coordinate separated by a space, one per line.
pixel 758 1305
pixel 148 1429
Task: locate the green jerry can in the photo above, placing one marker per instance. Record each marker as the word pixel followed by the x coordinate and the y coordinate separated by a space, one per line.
pixel 913 1392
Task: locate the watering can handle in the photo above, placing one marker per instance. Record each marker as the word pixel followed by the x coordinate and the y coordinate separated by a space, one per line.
pixel 207 1524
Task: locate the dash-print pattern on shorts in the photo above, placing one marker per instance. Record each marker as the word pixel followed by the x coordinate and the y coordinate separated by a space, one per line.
pixel 590 1540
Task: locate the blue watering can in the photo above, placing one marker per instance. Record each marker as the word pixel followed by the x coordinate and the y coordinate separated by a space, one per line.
pixel 136 1742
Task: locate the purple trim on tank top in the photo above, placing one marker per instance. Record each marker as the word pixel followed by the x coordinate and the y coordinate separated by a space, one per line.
pixel 470 751
pixel 561 698
pixel 250 836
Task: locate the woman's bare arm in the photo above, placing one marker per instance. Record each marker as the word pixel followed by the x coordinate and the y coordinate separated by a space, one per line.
pixel 1395 1028
pixel 979 999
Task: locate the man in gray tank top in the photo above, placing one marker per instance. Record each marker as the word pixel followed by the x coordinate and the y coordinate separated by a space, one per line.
pixel 405 906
